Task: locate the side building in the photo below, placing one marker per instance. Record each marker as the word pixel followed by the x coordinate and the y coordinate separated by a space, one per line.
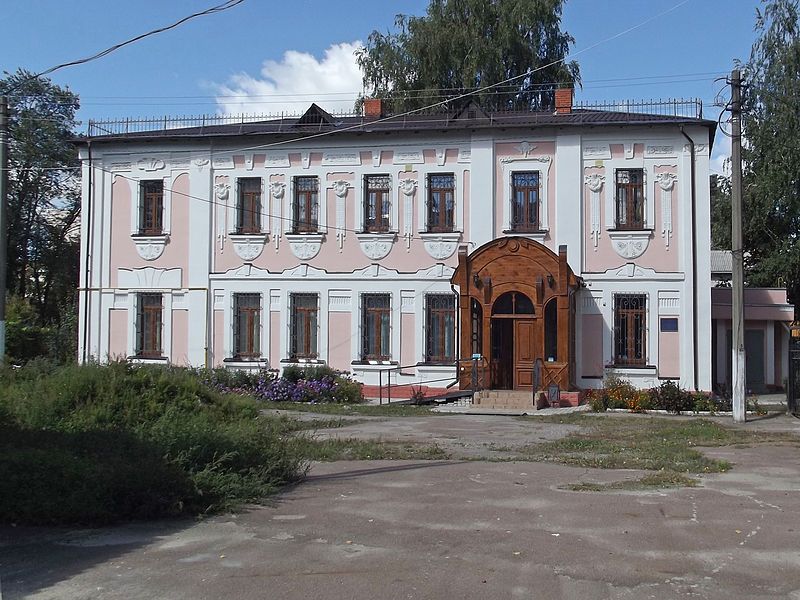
pixel 579 237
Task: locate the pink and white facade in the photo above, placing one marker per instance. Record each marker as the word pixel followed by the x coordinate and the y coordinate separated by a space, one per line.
pixel 215 267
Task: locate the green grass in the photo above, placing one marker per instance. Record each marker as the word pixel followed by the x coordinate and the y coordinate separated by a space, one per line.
pixel 367 410
pixel 659 480
pixel 355 449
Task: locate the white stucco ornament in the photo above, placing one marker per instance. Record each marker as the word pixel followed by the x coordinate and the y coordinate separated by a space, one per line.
pixel 629 244
pixel 441 246
pixel 594 181
pixel 340 188
pixel 666 180
pixel 376 245
pixel 305 246
pixel 222 191
pixel 150 247
pixel 248 247
pixel 407 186
pixel 277 188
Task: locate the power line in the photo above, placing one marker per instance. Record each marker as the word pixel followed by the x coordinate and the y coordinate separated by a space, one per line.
pixel 209 11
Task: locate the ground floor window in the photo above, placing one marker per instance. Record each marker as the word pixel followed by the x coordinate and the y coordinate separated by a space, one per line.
pixel 149 308
pixel 376 327
pixel 440 328
pixel 630 329
pixel 247 326
pixel 303 326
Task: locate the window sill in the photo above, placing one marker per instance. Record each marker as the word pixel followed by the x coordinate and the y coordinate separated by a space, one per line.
pixel 150 247
pixel 302 362
pixel 374 365
pixel 633 369
pixel 537 236
pixel 148 360
pixel 376 245
pixel 249 364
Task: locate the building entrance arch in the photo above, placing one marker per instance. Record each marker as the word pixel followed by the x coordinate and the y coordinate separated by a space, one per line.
pixel 516 306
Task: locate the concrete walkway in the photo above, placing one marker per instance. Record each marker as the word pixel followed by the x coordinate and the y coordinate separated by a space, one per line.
pixel 453 529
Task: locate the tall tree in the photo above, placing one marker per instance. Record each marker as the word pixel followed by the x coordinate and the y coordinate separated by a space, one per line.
pixel 720 212
pixel 771 152
pixel 468 44
pixel 43 193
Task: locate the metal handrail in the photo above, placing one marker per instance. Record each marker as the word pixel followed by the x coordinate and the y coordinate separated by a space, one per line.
pixel 388 370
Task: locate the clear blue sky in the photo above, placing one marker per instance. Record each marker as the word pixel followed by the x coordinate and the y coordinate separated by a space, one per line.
pixel 178 72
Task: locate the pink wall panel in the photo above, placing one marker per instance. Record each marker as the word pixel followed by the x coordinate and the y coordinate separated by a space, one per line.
pixel 219 338
pixel 118 334
pixel 339 340
pixel 592 345
pixel 180 337
pixel 275 339
pixel 408 353
pixel 669 353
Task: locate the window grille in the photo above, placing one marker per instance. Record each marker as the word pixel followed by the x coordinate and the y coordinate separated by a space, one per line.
pixel 148 325
pixel 525 201
pixel 376 203
pixel 306 205
pixel 248 205
pixel 376 327
pixel 630 199
pixel 303 326
pixel 247 326
pixel 151 207
pixel 441 202
pixel 440 328
pixel 630 329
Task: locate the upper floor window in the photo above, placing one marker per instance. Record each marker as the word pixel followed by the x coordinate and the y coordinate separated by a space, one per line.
pixel 630 329
pixel 149 307
pixel 630 198
pixel 376 203
pixel 303 326
pixel 376 327
pixel 247 326
pixel 440 328
pixel 441 202
pixel 305 207
pixel 151 207
pixel 525 201
pixel 248 205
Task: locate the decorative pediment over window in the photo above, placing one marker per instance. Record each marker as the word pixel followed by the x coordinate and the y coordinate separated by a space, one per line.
pixel 315 116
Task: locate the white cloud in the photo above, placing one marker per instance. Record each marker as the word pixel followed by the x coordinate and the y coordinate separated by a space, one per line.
pixel 293 83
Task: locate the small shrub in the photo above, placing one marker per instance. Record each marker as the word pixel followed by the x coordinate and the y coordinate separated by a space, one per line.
pixel 598 401
pixel 619 392
pixel 639 402
pixel 417 395
pixel 674 399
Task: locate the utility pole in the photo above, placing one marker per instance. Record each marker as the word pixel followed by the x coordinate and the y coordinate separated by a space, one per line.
pixel 3 221
pixel 739 370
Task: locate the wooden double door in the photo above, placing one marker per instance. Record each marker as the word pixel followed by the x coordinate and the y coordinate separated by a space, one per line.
pixel 514 340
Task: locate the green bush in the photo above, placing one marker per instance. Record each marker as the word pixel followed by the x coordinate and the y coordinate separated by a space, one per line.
pixel 674 399
pixel 124 441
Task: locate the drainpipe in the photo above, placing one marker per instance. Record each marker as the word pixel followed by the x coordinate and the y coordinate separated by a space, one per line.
pixel 87 270
pixel 694 254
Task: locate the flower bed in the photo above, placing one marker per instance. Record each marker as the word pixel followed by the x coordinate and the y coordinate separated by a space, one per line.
pixel 311 384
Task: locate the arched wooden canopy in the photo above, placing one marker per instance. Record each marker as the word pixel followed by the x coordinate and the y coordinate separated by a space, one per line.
pixel 516 305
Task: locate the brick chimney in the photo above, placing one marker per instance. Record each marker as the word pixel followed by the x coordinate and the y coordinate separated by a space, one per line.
pixel 564 101
pixel 373 108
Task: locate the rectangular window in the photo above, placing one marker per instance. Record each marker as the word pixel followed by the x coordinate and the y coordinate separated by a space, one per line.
pixel 441 202
pixel 669 324
pixel 248 205
pixel 305 207
pixel 148 325
pixel 440 328
pixel 376 203
pixel 376 327
pixel 151 207
pixel 303 324
pixel 630 199
pixel 630 329
pixel 525 201
pixel 247 326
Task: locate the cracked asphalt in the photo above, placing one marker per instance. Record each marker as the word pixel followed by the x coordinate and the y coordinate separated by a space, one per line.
pixel 449 529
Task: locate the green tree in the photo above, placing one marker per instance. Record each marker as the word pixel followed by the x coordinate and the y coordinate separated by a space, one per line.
pixel 720 212
pixel 43 194
pixel 771 152
pixel 468 44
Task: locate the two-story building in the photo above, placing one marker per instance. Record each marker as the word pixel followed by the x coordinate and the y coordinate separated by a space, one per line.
pixel 579 237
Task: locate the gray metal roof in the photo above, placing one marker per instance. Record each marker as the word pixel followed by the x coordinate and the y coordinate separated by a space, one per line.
pixel 721 261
